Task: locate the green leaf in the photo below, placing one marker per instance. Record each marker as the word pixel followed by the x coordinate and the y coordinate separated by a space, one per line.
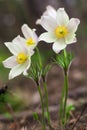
pixel 70 57
pixel 60 60
pixel 35 115
pixel 46 69
pixel 38 68
pixel 68 110
pixel 63 61
pixel 46 114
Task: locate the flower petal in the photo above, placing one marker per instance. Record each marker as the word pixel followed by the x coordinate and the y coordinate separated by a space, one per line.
pixel 35 37
pixel 18 69
pixel 47 37
pixel 14 50
pixel 73 25
pixel 62 17
pixel 30 52
pixel 70 38
pixel 10 62
pixel 19 40
pixel 48 19
pixel 25 71
pixel 27 32
pixel 48 23
pixel 19 45
pixel 58 45
pixel 73 40
pixel 50 11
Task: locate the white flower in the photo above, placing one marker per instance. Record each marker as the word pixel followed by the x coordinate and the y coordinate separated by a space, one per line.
pixel 49 14
pixel 30 39
pixel 21 59
pixel 60 29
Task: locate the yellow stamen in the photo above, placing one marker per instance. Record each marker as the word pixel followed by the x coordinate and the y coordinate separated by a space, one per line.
pixel 61 31
pixel 21 58
pixel 30 41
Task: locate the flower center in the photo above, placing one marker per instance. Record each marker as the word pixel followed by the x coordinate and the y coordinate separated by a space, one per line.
pixel 61 31
pixel 21 58
pixel 30 41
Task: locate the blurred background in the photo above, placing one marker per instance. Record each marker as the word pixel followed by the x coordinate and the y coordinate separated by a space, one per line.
pixel 14 13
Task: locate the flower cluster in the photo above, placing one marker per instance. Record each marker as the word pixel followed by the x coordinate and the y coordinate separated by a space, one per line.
pixel 22 50
pixel 60 30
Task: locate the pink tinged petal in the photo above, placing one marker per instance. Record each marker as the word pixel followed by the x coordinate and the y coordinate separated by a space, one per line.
pixel 73 25
pixel 17 70
pixel 27 32
pixel 10 62
pixel 47 37
pixel 58 45
pixel 62 17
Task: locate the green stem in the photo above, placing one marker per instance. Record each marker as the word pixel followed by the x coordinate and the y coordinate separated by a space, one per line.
pixel 46 101
pixel 65 86
pixel 63 102
pixel 61 106
pixel 66 95
pixel 42 104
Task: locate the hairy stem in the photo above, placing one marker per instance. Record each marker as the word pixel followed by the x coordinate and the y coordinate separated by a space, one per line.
pixel 46 101
pixel 66 96
pixel 42 104
pixel 61 106
pixel 65 86
pixel 63 102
